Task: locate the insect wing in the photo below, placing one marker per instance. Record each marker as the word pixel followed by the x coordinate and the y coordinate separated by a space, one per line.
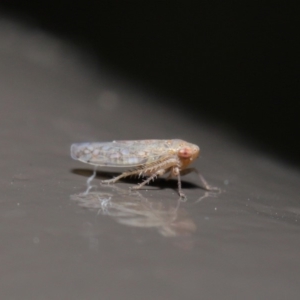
pixel 117 153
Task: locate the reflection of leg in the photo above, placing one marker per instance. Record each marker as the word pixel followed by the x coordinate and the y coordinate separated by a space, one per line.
pixel 209 194
pixel 204 183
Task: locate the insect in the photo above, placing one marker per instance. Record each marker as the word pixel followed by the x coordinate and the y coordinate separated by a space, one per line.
pixel 150 158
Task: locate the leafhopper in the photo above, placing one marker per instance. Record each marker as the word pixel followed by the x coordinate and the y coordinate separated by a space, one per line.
pixel 145 158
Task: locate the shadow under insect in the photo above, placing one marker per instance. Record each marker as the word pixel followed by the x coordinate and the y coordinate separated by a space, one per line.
pixel 160 182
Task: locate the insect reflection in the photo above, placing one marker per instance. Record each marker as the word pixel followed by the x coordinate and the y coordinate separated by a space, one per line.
pixel 132 209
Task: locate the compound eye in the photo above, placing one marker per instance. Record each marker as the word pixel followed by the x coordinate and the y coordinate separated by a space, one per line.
pixel 185 152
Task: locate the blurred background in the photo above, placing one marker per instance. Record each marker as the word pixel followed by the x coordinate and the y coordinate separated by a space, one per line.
pixel 221 75
pixel 234 63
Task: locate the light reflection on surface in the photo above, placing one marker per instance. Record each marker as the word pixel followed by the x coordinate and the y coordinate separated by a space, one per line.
pixel 131 208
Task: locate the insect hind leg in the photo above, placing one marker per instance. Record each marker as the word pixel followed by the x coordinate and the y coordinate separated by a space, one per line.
pixel 115 179
pixel 156 174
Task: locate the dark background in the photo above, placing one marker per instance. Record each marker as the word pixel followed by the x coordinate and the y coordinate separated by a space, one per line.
pixel 233 62
pixel 94 72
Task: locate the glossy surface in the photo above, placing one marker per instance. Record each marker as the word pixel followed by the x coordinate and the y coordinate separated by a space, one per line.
pixel 58 242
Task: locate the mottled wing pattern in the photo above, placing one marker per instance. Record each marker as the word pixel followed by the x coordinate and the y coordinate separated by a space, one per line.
pixel 120 153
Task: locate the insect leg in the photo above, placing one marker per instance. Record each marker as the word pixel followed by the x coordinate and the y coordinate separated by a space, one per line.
pixel 156 174
pixel 176 172
pixel 89 180
pixel 204 183
pixel 115 179
pixel 157 169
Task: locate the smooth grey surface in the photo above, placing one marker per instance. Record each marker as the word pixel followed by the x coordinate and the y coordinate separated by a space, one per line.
pixel 57 243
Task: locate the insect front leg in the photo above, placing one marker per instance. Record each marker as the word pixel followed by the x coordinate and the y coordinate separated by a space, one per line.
pixel 204 183
pixel 176 172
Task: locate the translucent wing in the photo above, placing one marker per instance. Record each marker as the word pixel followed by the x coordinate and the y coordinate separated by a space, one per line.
pixel 119 153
